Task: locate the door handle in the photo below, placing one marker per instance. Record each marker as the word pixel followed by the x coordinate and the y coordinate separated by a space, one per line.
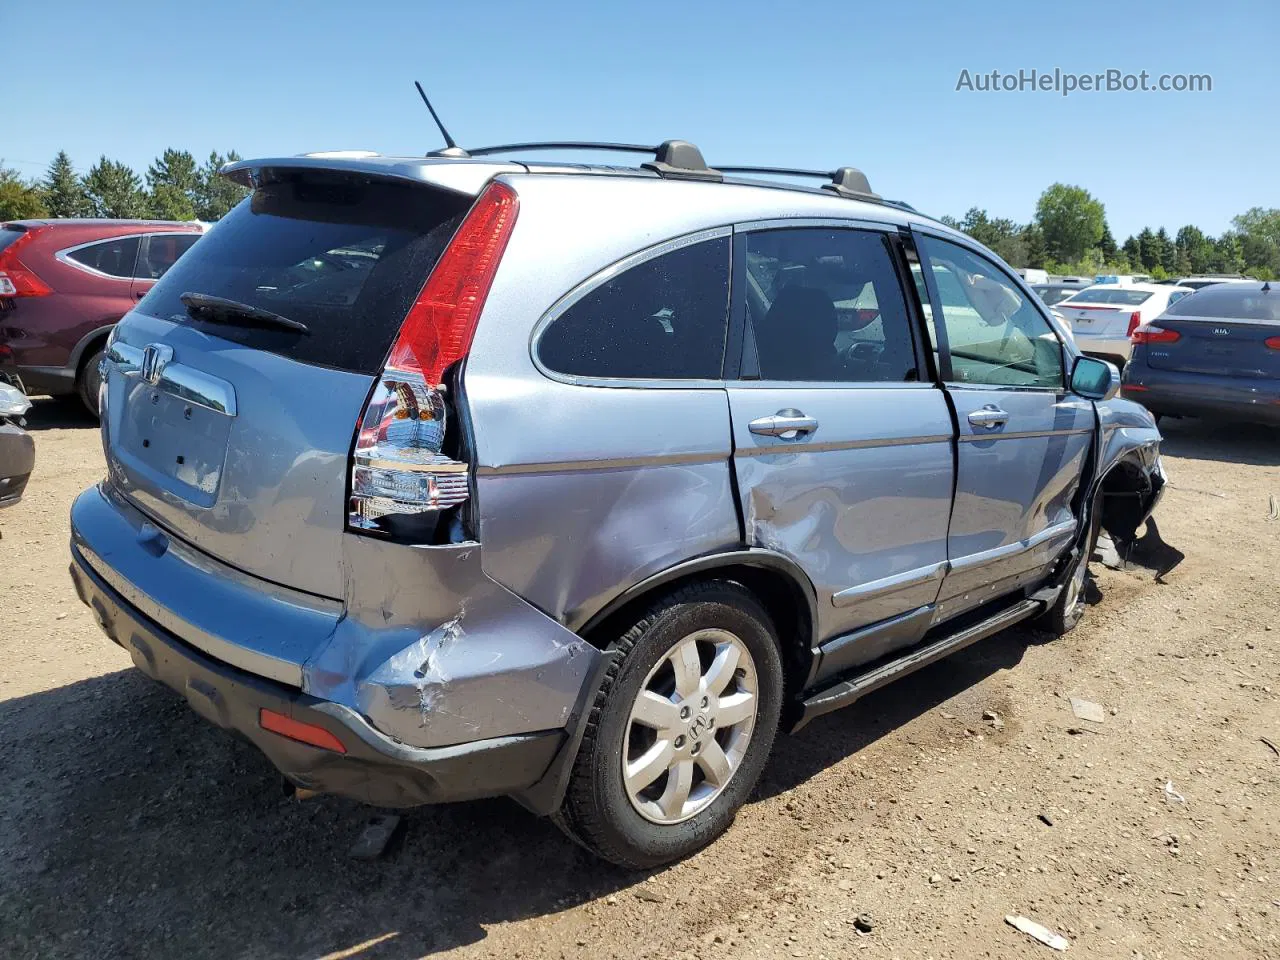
pixel 989 417
pixel 783 423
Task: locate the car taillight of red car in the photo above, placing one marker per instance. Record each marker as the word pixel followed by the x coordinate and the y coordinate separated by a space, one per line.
pixel 16 279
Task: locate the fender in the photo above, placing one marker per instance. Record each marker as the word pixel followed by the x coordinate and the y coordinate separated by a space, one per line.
pixel 73 364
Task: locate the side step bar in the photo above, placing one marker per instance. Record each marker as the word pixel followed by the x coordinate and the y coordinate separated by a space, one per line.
pixel 847 691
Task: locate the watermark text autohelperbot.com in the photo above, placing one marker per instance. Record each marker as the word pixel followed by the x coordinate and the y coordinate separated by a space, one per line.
pixel 1065 83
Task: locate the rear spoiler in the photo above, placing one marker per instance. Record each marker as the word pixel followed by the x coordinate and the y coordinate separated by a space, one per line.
pixel 466 177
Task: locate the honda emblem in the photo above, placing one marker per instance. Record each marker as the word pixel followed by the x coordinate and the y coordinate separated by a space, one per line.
pixel 154 359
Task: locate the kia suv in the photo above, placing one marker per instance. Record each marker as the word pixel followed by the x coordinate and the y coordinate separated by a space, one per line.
pixel 65 283
pixel 448 477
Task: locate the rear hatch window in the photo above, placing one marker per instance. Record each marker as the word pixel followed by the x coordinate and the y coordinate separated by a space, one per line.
pixel 342 256
pixel 1119 297
pixel 10 234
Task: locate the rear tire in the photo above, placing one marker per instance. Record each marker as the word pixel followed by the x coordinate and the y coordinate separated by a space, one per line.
pixel 1068 609
pixel 89 381
pixel 680 728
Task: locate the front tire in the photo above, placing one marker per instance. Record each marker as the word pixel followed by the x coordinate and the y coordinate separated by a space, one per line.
pixel 1068 609
pixel 680 729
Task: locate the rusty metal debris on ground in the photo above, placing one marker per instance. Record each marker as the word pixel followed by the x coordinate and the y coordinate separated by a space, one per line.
pixel 1038 932
pixel 1088 710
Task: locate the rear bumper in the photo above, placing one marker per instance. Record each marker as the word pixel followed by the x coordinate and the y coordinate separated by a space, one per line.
pixel 1197 395
pixel 375 769
pixel 1108 347
pixel 53 381
pixel 17 460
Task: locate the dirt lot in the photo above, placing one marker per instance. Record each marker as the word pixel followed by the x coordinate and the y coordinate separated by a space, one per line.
pixel 129 828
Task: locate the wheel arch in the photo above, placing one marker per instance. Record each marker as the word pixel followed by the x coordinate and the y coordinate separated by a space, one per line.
pixel 83 348
pixel 777 581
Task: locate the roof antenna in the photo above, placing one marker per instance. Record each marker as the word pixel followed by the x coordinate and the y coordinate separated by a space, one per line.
pixel 451 148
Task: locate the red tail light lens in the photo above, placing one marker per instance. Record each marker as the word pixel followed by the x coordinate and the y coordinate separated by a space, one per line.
pixel 399 468
pixel 1153 334
pixel 1273 342
pixel 16 279
pixel 1135 319
pixel 441 324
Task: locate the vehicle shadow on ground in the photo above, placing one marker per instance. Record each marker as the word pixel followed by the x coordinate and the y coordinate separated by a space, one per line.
pixel 59 413
pixel 1221 440
pixel 137 829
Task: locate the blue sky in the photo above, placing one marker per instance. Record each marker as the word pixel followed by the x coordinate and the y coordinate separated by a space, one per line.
pixel 866 84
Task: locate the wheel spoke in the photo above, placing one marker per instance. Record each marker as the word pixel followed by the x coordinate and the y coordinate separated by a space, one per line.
pixel 649 766
pixel 676 794
pixel 735 708
pixel 688 668
pixel 655 711
pixel 722 668
pixel 714 763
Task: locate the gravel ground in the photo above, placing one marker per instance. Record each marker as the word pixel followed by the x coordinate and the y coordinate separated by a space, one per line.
pixel 130 828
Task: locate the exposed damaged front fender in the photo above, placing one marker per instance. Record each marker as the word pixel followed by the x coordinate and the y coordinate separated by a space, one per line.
pixel 435 653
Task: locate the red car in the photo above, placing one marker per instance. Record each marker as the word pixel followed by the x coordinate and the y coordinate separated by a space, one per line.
pixel 63 286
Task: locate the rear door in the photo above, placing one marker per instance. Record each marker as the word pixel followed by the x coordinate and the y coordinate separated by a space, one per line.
pixel 236 437
pixel 1023 438
pixel 842 446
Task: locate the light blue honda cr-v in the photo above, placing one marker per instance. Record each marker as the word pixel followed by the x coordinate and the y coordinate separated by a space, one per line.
pixel 450 477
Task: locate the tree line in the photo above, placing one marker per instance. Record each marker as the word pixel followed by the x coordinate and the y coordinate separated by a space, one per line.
pixel 175 187
pixel 1070 235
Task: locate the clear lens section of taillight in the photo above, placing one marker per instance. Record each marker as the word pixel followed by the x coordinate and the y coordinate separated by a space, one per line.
pixel 398 467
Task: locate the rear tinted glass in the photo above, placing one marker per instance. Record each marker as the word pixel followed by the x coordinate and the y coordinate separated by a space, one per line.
pixel 162 252
pixel 665 318
pixel 8 235
pixel 1052 295
pixel 114 257
pixel 1229 302
pixel 1127 298
pixel 345 257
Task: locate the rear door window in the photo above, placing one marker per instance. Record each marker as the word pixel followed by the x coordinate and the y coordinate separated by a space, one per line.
pixel 346 257
pixel 114 258
pixel 825 305
pixel 161 251
pixel 665 318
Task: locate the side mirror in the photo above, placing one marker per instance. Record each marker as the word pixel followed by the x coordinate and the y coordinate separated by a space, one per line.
pixel 1095 379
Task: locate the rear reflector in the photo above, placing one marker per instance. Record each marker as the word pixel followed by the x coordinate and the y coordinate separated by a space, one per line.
pixel 1273 342
pixel 398 468
pixel 293 729
pixel 1153 334
pixel 1133 388
pixel 1135 319
pixel 16 279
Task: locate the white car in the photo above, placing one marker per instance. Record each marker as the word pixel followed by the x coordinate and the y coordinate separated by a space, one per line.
pixel 1102 316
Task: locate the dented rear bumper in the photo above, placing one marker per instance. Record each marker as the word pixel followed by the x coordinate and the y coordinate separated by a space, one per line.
pixel 372 767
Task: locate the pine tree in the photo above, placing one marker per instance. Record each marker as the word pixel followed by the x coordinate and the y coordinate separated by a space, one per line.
pixel 1033 240
pixel 114 190
pixel 63 192
pixel 1168 251
pixel 1133 252
pixel 217 195
pixel 175 186
pixel 1148 255
pixel 1107 244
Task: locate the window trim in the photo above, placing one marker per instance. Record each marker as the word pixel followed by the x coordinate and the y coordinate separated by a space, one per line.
pixel 738 315
pixel 145 248
pixel 599 279
pixel 944 345
pixel 64 256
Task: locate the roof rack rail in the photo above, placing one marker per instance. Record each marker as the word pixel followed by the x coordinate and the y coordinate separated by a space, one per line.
pixel 846 181
pixel 674 159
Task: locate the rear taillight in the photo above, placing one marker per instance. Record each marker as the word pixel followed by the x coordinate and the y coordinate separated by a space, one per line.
pixel 1272 342
pixel 16 279
pixel 1135 320
pixel 1153 334
pixel 399 466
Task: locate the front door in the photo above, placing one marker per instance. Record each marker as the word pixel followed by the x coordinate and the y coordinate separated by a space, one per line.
pixel 842 446
pixel 1023 437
